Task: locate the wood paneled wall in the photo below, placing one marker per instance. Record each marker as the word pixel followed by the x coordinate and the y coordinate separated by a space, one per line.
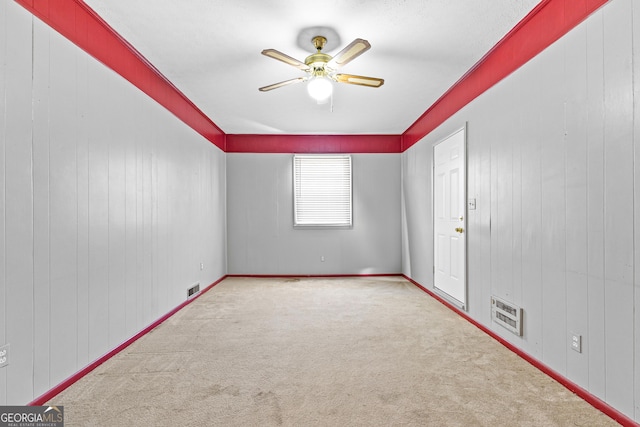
pixel 552 164
pixel 108 205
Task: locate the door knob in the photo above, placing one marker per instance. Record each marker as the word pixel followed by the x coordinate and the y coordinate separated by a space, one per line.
pixel 460 229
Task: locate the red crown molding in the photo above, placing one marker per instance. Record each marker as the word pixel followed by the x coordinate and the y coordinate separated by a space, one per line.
pixel 545 24
pixel 313 143
pixel 82 26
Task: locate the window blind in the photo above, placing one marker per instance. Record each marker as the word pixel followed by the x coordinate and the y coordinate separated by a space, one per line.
pixel 322 190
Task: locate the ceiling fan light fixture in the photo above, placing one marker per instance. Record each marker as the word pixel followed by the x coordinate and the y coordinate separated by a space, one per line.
pixel 320 89
pixel 321 68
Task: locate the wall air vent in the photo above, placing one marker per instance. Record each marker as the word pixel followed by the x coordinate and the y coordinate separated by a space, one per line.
pixel 507 315
pixel 193 290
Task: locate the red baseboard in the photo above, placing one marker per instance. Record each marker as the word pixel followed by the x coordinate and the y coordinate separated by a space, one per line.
pixel 274 276
pixel 41 400
pixel 570 385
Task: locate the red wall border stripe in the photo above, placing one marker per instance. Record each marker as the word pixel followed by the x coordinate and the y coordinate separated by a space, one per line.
pixel 81 25
pixel 50 394
pixel 570 385
pixel 545 24
pixel 313 143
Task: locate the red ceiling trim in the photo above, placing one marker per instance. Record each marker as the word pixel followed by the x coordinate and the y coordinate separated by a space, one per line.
pixel 313 143
pixel 545 24
pixel 81 25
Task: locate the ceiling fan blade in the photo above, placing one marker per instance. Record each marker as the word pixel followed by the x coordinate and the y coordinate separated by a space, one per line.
pixel 359 80
pixel 284 83
pixel 349 53
pixel 276 54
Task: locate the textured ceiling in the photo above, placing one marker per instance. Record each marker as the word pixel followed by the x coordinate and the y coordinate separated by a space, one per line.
pixel 210 50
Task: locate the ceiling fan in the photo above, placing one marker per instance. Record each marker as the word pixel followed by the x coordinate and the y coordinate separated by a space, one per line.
pixel 321 68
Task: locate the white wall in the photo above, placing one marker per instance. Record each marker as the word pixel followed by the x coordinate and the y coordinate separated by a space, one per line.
pixel 108 204
pixel 552 158
pixel 261 236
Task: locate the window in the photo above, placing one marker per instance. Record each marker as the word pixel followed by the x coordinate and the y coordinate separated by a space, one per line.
pixel 322 190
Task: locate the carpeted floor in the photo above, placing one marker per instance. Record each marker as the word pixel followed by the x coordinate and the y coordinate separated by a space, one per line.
pixel 366 351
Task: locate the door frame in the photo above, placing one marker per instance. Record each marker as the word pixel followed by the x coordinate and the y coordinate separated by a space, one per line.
pixel 463 305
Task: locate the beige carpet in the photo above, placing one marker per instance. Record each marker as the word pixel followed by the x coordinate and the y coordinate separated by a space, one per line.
pixel 320 352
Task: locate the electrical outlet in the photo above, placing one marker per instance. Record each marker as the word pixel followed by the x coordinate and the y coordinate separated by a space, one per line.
pixel 322 258
pixel 4 356
pixel 201 266
pixel 576 342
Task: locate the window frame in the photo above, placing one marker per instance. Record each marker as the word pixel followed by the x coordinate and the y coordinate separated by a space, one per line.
pixel 301 223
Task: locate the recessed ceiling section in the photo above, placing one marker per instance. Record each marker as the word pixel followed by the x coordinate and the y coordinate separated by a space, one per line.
pixel 210 50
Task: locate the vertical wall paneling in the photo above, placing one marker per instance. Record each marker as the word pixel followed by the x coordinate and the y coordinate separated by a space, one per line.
pixel 146 159
pixel 41 205
pixel 154 295
pixel 560 236
pixel 63 209
pixel 594 347
pixel 119 138
pixel 133 137
pixel 619 216
pixel 479 222
pixel 82 131
pixel 98 163
pixel 575 117
pixel 3 124
pixel 636 197
pixel 98 196
pixel 18 204
pixel 404 211
pixel 140 233
pixel 502 205
pixel 551 111
pixel 532 294
pixel 516 196
pixel 164 218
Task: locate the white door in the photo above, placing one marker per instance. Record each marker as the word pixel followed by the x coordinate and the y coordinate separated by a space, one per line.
pixel 449 217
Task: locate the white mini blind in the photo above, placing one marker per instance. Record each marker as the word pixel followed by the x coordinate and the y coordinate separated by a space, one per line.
pixel 322 190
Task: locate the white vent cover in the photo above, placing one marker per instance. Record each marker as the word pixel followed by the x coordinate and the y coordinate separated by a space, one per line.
pixel 507 315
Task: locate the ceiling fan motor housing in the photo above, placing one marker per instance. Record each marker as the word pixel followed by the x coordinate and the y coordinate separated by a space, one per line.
pixel 317 61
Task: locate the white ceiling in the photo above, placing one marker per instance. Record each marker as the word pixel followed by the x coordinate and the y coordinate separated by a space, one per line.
pixel 210 50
